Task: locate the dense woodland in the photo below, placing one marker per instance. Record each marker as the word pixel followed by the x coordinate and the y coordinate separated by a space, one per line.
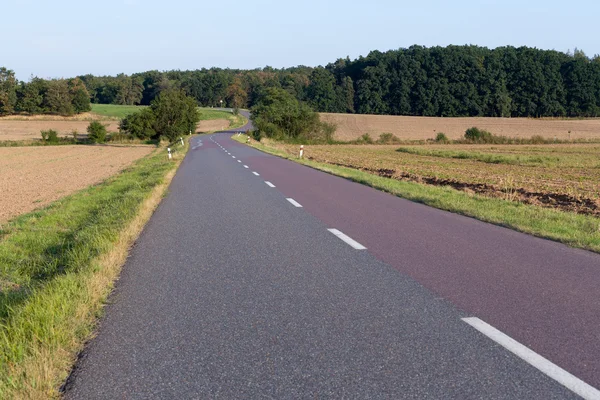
pixel 437 81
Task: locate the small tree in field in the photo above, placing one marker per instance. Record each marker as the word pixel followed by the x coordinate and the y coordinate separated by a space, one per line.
pixel 96 132
pixel 175 114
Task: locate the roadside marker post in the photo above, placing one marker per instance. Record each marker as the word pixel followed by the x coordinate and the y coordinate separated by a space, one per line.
pixel 301 151
pixel 248 140
pixel 181 140
pixel 169 150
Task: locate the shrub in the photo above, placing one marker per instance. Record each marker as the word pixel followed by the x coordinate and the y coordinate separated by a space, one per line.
pixel 119 137
pixel 538 139
pixel 387 138
pixel 478 135
pixel 96 132
pixel 441 138
pixel 50 136
pixel 139 124
pixel 366 138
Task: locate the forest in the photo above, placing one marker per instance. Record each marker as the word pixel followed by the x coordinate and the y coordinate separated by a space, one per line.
pixel 419 81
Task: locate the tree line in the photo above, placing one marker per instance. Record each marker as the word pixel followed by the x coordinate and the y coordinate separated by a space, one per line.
pixel 436 81
pixel 41 96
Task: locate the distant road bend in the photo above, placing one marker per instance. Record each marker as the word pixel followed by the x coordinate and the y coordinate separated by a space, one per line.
pixel 261 278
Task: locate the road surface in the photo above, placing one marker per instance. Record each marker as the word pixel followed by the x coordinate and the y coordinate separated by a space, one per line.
pixel 260 278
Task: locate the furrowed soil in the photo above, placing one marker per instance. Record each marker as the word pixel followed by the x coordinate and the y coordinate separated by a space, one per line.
pixel 564 177
pixel 33 177
pixel 353 126
pixel 12 129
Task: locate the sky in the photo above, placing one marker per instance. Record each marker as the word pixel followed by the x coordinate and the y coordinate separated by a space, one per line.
pixel 65 38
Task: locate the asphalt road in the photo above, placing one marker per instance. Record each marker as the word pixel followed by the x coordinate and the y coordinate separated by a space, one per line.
pixel 233 291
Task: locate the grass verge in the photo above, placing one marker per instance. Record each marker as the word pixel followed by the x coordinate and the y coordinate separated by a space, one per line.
pixel 58 264
pixel 114 110
pixel 581 231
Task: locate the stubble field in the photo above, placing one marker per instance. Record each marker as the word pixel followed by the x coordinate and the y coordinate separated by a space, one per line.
pixel 559 176
pixel 33 177
pixel 353 126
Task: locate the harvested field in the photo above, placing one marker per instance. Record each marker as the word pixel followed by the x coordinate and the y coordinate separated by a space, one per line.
pixel 212 125
pixel 33 177
pixel 11 129
pixel 353 126
pixel 565 177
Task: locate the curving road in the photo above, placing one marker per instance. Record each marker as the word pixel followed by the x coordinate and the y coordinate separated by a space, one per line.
pixel 261 278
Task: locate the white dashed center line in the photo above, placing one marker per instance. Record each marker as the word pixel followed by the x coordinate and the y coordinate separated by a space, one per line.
pixel 547 367
pixel 269 184
pixel 245 166
pixel 294 202
pixel 353 243
pixel 256 173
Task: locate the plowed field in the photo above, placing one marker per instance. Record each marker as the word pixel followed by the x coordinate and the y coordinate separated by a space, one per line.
pixel 353 126
pixel 11 129
pixel 564 177
pixel 32 177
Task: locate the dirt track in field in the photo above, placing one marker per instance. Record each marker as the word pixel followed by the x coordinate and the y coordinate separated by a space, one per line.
pixel 33 177
pixel 11 129
pixel 353 126
pixel 212 125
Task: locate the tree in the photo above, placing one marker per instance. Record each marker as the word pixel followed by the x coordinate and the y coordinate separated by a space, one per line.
pixel 140 124
pixel 8 91
pixel 31 95
pixel 281 116
pixel 80 97
pixel 58 99
pixel 176 114
pixel 96 132
pixel 236 95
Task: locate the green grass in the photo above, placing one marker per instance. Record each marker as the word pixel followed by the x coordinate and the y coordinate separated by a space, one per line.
pixel 573 229
pixel 49 260
pixel 114 110
pixel 512 159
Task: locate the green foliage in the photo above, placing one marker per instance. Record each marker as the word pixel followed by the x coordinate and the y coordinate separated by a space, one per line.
pixel 280 116
pixel 96 132
pixel 8 91
pixel 175 114
pixel 50 136
pixel 441 138
pixel 139 124
pixel 366 138
pixel 477 135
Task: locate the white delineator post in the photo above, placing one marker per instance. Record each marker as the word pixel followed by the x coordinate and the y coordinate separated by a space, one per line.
pixel 248 140
pixel 301 151
pixel 181 140
pixel 169 151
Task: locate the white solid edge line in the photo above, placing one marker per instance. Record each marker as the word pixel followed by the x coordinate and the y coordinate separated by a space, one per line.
pixel 256 173
pixel 294 202
pixel 347 239
pixel 544 365
pixel 269 184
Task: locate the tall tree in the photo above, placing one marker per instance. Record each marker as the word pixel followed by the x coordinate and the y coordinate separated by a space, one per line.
pixel 8 91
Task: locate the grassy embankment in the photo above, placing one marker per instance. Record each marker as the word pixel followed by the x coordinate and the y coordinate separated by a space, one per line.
pixel 576 230
pixel 57 266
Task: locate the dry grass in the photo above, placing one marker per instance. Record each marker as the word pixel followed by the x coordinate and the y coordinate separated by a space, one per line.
pixel 32 177
pixel 353 126
pixel 212 125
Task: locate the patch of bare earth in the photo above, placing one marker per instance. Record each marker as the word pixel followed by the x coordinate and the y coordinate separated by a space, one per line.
pixel 12 129
pixel 353 126
pixel 212 125
pixel 33 177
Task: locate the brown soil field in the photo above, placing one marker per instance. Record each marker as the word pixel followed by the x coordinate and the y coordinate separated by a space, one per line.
pixel 11 129
pixel 353 126
pixel 33 177
pixel 87 116
pixel 560 176
pixel 212 125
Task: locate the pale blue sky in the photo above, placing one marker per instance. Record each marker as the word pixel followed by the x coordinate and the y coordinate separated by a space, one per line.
pixel 64 38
